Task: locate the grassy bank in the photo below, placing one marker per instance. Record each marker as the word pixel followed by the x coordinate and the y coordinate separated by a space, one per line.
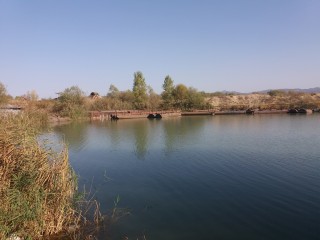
pixel 64 110
pixel 38 188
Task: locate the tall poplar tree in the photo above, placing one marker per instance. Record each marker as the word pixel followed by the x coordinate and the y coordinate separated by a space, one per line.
pixel 139 91
pixel 167 94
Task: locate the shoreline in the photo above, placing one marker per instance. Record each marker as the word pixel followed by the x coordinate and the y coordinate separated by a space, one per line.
pixel 118 115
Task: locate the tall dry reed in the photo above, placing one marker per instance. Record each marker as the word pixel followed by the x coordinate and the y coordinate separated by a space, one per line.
pixel 37 185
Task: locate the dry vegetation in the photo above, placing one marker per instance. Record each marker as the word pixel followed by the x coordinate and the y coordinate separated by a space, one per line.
pixel 38 188
pixel 76 107
pixel 74 104
pixel 279 101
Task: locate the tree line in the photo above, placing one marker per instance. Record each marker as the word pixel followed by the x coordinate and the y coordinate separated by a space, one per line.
pixel 73 102
pixel 141 97
pixel 173 96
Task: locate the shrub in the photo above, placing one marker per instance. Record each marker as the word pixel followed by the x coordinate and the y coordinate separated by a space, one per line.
pixel 71 103
pixel 274 93
pixel 99 104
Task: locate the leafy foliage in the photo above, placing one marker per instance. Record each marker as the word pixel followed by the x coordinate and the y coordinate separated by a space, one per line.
pixel 195 99
pixel 168 92
pixel 139 91
pixel 113 91
pixel 70 103
pixel 180 94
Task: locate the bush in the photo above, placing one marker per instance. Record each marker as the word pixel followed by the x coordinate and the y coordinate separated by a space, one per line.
pixel 274 93
pixel 99 104
pixel 71 103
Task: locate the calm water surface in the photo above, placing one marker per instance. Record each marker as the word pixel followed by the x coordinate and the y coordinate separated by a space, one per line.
pixel 220 177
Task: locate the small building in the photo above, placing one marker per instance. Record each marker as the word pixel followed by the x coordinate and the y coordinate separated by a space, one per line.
pixel 94 95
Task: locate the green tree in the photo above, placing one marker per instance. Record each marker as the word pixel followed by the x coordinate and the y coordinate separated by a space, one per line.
pixel 113 91
pixel 70 103
pixel 167 94
pixel 195 99
pixel 139 91
pixel 3 94
pixel 180 95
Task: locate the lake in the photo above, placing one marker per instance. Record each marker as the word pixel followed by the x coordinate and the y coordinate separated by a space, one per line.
pixel 203 177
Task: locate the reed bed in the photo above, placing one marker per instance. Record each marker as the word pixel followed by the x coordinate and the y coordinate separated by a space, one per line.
pixel 38 188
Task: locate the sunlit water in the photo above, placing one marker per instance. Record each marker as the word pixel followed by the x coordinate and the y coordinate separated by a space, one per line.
pixel 219 177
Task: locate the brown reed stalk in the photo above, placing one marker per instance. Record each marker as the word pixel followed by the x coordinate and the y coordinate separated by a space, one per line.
pixel 37 185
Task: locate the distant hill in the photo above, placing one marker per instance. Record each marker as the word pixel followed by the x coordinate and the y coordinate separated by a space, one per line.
pixel 231 92
pixel 307 90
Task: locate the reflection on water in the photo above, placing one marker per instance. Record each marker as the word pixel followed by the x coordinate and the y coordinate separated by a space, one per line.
pixel 140 133
pixel 143 133
pixel 179 133
pixel 74 134
pixel 220 177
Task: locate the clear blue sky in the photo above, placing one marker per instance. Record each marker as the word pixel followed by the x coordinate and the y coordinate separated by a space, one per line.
pixel 241 45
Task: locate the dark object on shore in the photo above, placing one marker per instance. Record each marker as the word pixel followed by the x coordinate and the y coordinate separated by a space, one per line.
pixel 299 110
pixel 152 116
pixel 250 111
pixel 316 110
pixel 114 117
pixel 293 110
